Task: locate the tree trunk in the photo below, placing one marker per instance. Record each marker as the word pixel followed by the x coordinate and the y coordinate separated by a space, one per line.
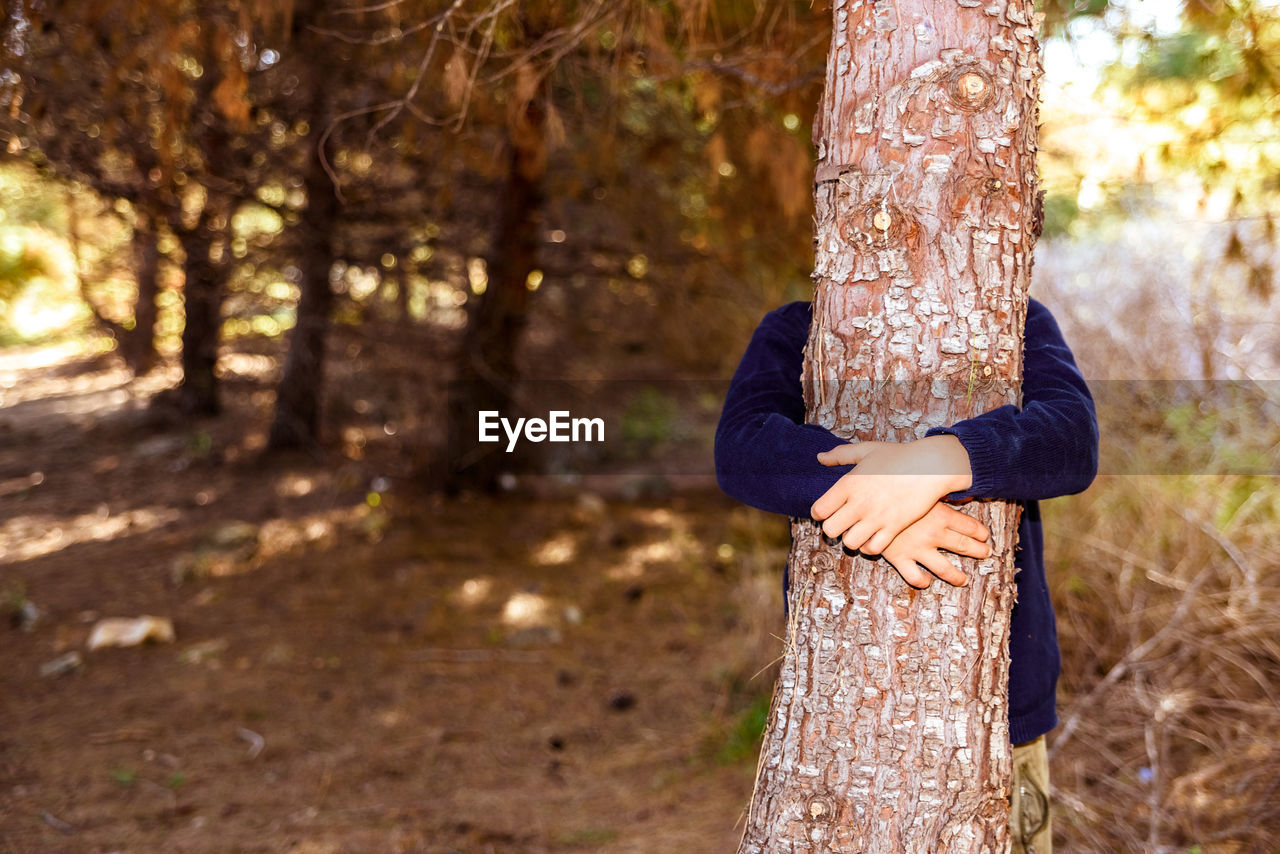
pixel 138 346
pixel 298 395
pixel 889 724
pixel 487 369
pixel 202 306
pixel 202 289
pixel 403 281
pixel 296 423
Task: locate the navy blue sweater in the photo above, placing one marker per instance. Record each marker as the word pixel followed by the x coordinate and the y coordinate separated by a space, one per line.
pixel 766 456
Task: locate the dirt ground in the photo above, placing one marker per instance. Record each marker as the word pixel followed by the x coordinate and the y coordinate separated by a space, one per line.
pixel 361 667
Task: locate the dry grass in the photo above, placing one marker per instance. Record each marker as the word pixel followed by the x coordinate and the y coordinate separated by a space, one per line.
pixel 1166 590
pixel 1166 582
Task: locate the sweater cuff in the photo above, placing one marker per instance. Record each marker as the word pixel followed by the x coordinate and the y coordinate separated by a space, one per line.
pixel 1038 722
pixel 983 459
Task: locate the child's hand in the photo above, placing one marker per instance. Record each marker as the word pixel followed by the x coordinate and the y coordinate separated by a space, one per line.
pixel 892 486
pixel 915 552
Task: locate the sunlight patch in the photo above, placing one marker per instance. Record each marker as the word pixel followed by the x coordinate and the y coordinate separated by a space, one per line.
pixel 559 549
pixel 294 486
pixel 524 610
pixel 475 590
pixel 24 543
pixel 248 364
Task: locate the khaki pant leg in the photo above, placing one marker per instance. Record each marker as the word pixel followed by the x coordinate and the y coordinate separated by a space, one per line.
pixel 1029 812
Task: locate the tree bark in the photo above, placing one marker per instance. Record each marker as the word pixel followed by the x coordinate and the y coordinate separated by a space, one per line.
pixel 889 724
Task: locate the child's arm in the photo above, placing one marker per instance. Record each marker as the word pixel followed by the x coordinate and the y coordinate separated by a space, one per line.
pixel 1047 448
pixel 767 457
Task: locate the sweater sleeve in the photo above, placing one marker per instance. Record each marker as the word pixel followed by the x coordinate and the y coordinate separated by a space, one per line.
pixel 765 455
pixel 1049 446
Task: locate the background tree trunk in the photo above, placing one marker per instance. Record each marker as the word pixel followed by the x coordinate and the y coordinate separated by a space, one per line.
pixel 202 293
pixel 297 416
pixel 487 369
pixel 299 394
pixel 889 724
pixel 138 346
pixel 204 282
pixel 135 344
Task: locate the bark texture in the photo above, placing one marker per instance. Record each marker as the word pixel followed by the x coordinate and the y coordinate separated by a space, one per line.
pixel 889 725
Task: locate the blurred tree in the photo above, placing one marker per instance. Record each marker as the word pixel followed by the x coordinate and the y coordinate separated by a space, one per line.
pixel 486 368
pixel 218 102
pixel 1216 84
pixel 1060 13
pixel 138 345
pixel 675 185
pixel 18 266
pixel 68 112
pixel 135 336
pixel 579 70
pixel 926 177
pixel 1200 98
pixel 195 113
pixel 144 105
pixel 296 422
pixel 655 98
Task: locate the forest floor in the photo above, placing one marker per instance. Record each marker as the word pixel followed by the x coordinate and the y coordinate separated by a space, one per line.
pixel 358 666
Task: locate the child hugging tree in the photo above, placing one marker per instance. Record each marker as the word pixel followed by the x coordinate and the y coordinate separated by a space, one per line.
pixel 891 499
